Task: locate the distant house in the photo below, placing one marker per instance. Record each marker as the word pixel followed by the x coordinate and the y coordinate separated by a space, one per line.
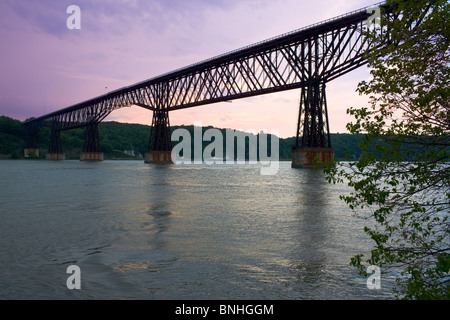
pixel 130 153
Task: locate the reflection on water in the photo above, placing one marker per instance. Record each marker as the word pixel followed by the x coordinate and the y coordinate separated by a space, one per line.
pixel 141 231
pixel 313 226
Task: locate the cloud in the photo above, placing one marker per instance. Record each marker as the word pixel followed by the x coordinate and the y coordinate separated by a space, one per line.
pixel 42 15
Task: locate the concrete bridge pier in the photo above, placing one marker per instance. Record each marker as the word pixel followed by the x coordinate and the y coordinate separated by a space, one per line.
pixel 55 156
pixel 158 157
pixel 160 144
pixel 311 157
pixel 91 146
pixel 92 156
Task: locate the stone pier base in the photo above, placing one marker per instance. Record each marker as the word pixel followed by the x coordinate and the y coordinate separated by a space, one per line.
pixel 55 156
pixel 158 157
pixel 311 157
pixel 31 153
pixel 91 156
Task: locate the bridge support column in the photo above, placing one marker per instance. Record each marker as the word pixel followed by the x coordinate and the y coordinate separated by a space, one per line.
pixel 55 149
pixel 31 151
pixel 160 144
pixel 91 147
pixel 313 144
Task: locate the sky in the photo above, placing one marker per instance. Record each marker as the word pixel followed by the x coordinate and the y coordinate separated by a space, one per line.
pixel 45 66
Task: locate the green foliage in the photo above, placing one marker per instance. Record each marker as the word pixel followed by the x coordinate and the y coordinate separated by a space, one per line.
pixel 346 146
pixel 12 136
pixel 116 137
pixel 11 127
pixel 403 176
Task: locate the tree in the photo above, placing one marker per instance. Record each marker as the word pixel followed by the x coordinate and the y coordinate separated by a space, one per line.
pixel 407 202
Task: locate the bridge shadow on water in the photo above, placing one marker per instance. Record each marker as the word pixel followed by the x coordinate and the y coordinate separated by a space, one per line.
pixel 312 254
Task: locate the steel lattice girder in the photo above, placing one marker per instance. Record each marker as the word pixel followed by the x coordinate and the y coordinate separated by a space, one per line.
pixel 323 51
pixel 55 145
pixel 160 132
pixel 314 130
pixel 92 139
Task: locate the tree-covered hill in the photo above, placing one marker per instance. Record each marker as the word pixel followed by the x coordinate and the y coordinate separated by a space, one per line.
pixel 130 141
pixel 12 137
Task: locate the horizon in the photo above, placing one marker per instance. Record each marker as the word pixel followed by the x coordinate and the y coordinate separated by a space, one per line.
pixel 191 125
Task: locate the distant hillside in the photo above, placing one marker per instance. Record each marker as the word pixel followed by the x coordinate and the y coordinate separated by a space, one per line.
pixel 130 141
pixel 12 138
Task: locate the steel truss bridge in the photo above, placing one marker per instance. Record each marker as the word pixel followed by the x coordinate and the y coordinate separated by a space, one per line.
pixel 307 58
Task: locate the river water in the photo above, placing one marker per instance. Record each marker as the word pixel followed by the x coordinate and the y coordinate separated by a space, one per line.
pixel 140 231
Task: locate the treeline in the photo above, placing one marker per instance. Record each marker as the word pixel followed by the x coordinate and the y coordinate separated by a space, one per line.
pixel 12 138
pixel 130 141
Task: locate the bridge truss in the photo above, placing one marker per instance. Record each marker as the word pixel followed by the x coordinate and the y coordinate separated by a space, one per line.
pixel 307 58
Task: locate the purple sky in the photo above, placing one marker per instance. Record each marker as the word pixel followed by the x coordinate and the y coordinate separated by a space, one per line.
pixel 44 66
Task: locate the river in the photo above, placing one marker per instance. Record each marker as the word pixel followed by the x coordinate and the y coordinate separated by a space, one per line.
pixel 140 231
